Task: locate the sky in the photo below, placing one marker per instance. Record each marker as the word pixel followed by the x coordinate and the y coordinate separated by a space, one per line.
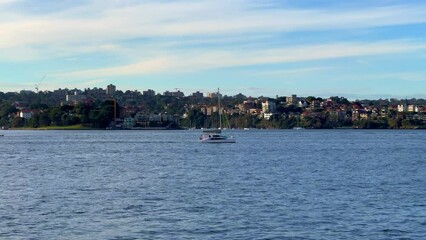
pixel 356 49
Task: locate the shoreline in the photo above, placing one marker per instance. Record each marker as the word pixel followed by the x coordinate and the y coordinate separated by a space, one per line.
pixel 81 128
pixel 74 127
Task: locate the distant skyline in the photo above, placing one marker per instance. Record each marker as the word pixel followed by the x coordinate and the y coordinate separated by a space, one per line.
pixel 356 49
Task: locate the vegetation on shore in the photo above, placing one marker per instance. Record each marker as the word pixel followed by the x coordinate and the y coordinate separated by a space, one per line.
pixel 51 112
pixel 97 115
pixel 72 127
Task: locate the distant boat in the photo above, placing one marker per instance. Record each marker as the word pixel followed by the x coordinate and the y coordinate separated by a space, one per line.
pixel 215 135
pixel 298 128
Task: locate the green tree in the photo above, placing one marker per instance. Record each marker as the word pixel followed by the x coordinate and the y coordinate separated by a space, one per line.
pixel 55 116
pixel 43 119
pixel 17 122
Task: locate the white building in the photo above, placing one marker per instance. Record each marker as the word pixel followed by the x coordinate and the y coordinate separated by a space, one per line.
pixel 214 95
pixel 292 99
pixel 74 97
pixel 412 108
pixel 402 108
pixel 128 122
pixel 26 114
pixel 267 116
pixel 269 107
pixel 302 103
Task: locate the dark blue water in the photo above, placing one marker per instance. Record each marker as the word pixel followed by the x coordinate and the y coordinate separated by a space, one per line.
pixel 334 184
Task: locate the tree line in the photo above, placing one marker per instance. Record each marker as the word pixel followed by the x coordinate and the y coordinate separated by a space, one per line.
pixel 97 115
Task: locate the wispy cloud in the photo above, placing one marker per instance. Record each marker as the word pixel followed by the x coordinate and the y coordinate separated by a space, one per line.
pixel 412 77
pixel 292 72
pixel 101 40
pixel 103 21
pixel 406 76
pixel 224 59
pixel 3 2
pixel 142 67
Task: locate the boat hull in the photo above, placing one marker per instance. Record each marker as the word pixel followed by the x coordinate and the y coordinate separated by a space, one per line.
pixel 215 136
pixel 229 140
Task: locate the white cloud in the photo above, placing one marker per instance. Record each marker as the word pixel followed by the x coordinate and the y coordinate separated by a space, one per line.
pixel 104 21
pixel 138 68
pixel 146 37
pixel 287 72
pixel 413 77
pixel 4 2
pixel 18 54
pixel 185 62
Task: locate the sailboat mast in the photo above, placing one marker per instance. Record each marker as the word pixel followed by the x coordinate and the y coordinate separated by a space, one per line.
pixel 220 114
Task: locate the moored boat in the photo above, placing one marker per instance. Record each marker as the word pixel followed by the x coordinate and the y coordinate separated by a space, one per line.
pixel 215 135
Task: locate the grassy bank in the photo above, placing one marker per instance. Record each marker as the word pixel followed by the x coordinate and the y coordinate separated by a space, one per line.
pixel 73 127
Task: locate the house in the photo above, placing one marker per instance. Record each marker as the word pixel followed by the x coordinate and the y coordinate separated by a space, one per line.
pixel 315 104
pixel 74 98
pixel 292 99
pixel 214 95
pixel 178 94
pixel 268 107
pixel 267 116
pixel 337 114
pixel 359 114
pixel 364 114
pixel 26 114
pixel 128 123
pixel 211 110
pixel 198 95
pixel 412 108
pixel 98 93
pixel 393 108
pixel 246 106
pixel 302 103
pixel 402 108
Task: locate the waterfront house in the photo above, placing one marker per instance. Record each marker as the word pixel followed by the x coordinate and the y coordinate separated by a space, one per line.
pixel 267 116
pixel 26 114
pixel 128 123
pixel 359 114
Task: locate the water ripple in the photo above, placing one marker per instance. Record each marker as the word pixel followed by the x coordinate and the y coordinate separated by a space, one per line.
pixel 165 185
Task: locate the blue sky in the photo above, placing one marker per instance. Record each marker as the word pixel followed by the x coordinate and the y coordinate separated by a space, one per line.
pixel 357 49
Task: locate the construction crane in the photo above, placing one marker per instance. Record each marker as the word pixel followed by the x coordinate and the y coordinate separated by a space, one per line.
pixel 38 85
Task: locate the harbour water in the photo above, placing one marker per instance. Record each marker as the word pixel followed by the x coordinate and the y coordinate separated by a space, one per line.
pixel 292 184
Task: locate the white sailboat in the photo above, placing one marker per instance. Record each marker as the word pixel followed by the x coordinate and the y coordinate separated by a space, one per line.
pixel 215 135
